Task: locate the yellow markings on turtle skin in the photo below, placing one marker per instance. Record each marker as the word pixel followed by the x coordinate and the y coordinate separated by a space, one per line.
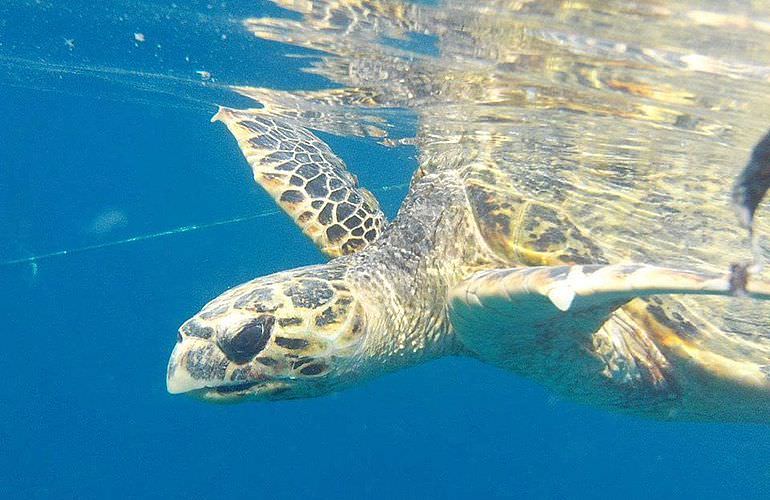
pixel 672 343
pixel 320 330
pixel 546 236
pixel 665 94
pixel 524 231
pixel 351 336
pixel 494 214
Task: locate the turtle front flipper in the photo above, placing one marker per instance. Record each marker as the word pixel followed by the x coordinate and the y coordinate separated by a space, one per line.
pixel 307 180
pixel 578 330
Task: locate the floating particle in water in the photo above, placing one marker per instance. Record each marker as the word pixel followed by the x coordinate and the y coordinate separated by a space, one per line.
pixel 530 94
pixel 205 75
pixel 107 221
pixel 373 131
pixel 738 279
pixel 70 43
pixel 139 37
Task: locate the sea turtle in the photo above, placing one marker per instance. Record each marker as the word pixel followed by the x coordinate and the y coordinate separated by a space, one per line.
pixel 498 252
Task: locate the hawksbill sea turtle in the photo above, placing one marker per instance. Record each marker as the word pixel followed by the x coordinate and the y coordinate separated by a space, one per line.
pixel 554 227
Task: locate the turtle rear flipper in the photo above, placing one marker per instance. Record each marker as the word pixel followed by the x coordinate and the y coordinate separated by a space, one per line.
pixel 578 329
pixel 307 180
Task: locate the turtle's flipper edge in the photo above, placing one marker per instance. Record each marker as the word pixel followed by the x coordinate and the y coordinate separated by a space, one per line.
pixel 307 180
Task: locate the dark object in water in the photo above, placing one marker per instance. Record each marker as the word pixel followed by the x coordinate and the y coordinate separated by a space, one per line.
pixel 753 183
pixel 739 277
pixel 749 189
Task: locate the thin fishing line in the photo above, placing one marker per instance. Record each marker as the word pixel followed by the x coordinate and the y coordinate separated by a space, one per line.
pixel 133 239
pixel 385 189
pixel 137 80
pixel 169 232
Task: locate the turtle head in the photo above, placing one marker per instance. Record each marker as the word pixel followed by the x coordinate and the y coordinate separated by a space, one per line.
pixel 289 335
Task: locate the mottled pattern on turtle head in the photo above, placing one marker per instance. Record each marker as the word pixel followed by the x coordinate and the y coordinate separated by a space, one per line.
pixel 287 335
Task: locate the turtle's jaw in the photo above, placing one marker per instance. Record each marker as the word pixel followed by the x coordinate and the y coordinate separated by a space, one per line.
pixel 179 380
pixel 197 368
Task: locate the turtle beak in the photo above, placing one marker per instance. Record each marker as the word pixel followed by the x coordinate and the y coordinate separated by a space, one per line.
pixel 196 355
pixel 197 367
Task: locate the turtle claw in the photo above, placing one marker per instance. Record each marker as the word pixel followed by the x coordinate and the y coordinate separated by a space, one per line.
pixel 562 297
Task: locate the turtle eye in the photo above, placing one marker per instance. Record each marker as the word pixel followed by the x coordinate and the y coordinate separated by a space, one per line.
pixel 248 340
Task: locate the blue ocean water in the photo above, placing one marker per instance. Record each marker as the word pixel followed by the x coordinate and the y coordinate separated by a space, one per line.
pixel 91 155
